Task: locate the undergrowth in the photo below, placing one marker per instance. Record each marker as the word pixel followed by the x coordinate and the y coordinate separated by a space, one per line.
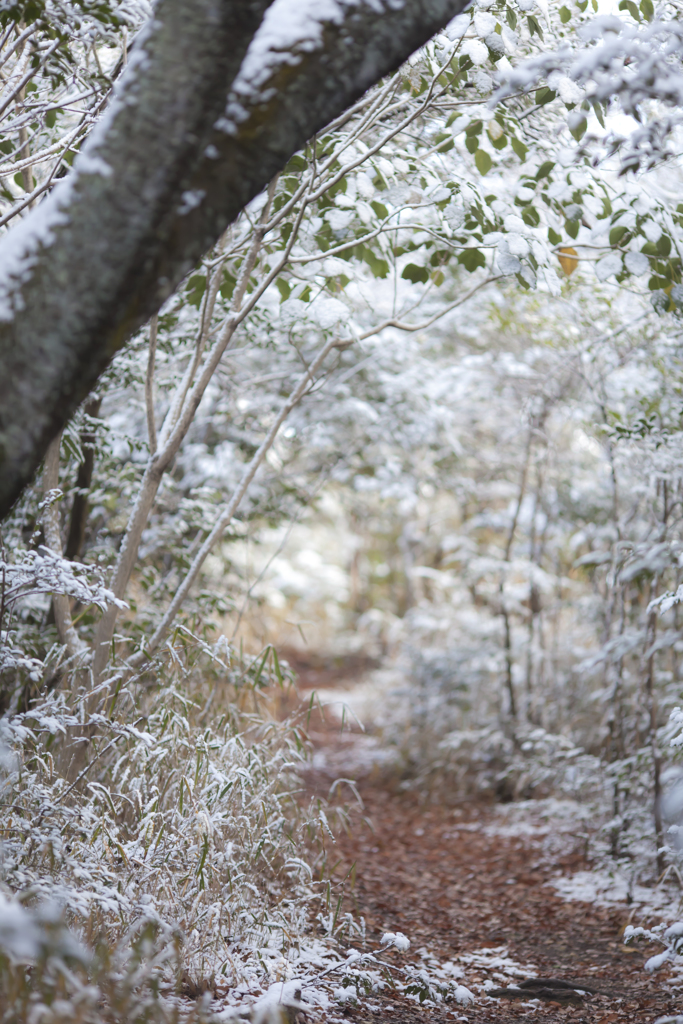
pixel 154 848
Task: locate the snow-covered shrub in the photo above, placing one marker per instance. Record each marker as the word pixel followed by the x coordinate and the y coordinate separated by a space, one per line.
pixel 668 936
pixel 154 846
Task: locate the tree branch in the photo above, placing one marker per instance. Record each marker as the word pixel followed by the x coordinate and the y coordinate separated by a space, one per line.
pixel 149 385
pixel 226 516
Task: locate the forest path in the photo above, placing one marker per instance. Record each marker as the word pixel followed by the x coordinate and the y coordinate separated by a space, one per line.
pixel 470 888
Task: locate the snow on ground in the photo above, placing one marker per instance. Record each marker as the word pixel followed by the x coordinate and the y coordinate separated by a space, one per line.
pixel 353 754
pixel 539 817
pixel 497 960
pixel 615 888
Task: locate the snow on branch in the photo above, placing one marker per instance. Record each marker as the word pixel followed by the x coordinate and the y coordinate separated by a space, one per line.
pixel 44 572
pixel 203 176
pixel 666 601
pixel 614 59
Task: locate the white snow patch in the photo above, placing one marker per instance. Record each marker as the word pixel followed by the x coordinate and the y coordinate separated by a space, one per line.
pixel 616 889
pixel 476 50
pixel 637 263
pixel 289 28
pixel 608 266
pixel 20 937
pixel 496 959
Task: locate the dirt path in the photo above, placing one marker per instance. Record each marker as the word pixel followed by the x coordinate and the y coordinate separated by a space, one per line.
pixel 469 891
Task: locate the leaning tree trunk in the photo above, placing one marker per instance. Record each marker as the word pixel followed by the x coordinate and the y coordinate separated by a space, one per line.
pixel 172 163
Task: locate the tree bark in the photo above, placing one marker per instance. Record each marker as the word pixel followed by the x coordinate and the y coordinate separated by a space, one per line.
pixel 79 274
pixel 156 186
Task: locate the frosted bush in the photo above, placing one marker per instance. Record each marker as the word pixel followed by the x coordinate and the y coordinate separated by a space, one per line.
pixel 146 833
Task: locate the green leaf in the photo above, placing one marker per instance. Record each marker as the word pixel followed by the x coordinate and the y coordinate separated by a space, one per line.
pixel 338 189
pixel 617 233
pixel 628 5
pixel 664 246
pixel 553 237
pixel 664 269
pixel 470 259
pixel 511 18
pixel 499 143
pixel 411 272
pixel 296 163
pixel 565 15
pixel 598 113
pixel 440 257
pixel 579 130
pixel 483 161
pixel 531 216
pixel 544 95
pixel 445 142
pixel 474 128
pixel 534 26
pixel 519 148
pixel 647 9
pixel 545 169
pixel 472 144
pixel 324 237
pixel 50 118
pixel 380 209
pixel 284 288
pixel 196 287
pixel 572 227
pixel 227 285
pixel 378 266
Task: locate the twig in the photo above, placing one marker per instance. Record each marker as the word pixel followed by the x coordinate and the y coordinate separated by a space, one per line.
pixel 149 384
pixel 227 515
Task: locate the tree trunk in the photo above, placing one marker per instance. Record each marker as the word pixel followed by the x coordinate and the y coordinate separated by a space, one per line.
pixel 157 183
pixel 80 507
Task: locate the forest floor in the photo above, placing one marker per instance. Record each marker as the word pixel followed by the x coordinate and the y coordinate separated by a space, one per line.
pixel 472 887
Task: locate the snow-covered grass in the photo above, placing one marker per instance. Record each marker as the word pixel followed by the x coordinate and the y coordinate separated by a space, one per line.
pixel 153 848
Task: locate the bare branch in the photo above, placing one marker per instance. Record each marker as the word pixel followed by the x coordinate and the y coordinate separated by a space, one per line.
pixel 226 516
pixel 149 385
pixel 401 326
